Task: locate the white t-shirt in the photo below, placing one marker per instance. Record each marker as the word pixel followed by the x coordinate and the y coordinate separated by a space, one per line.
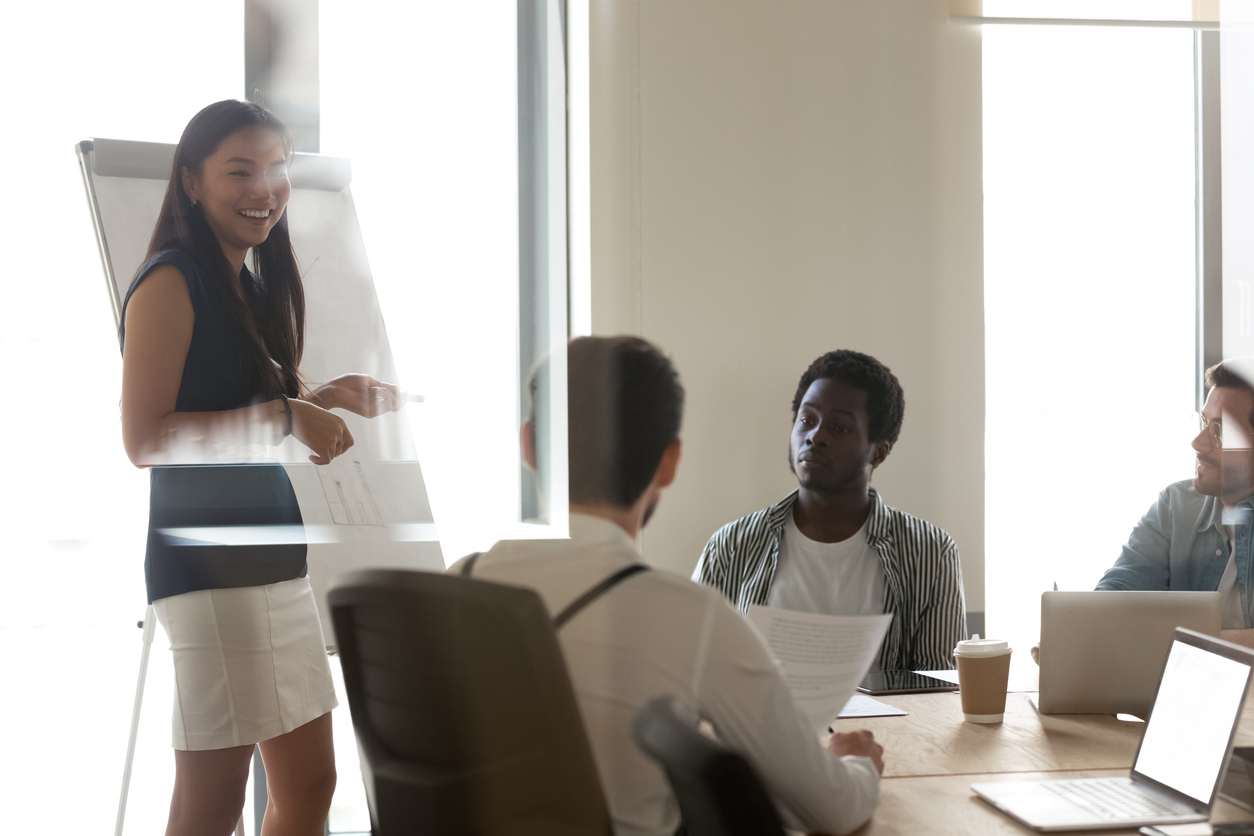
pixel 844 578
pixel 1234 615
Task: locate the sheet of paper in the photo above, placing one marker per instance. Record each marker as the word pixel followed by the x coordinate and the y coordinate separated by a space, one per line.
pixel 356 496
pixel 348 494
pixel 823 657
pixel 860 705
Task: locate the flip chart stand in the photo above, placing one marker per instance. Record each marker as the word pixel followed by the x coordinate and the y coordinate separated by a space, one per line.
pixel 150 619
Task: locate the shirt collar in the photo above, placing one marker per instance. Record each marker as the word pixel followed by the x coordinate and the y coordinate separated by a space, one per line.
pixel 589 531
pixel 878 531
pixel 1215 515
pixel 1212 514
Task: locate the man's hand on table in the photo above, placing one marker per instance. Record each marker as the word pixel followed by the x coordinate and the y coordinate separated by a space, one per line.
pixel 1241 637
pixel 862 743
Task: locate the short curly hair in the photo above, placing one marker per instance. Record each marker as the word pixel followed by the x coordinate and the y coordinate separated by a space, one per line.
pixel 885 400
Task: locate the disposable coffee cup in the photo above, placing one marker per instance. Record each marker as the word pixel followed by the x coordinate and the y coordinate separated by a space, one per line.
pixel 983 674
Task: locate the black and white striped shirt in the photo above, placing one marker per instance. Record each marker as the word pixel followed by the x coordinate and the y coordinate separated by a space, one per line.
pixel 922 578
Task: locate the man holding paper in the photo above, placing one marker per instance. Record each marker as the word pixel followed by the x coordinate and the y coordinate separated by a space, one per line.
pixel 833 546
pixel 655 633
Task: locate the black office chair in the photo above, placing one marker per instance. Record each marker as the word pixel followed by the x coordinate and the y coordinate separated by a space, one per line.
pixel 719 793
pixel 463 708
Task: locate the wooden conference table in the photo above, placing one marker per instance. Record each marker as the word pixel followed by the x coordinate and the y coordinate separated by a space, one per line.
pixel 931 758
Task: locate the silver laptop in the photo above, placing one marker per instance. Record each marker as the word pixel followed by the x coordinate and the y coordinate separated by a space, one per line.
pixel 1181 759
pixel 1102 652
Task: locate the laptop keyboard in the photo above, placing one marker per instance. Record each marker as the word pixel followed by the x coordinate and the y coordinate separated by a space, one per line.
pixel 1112 800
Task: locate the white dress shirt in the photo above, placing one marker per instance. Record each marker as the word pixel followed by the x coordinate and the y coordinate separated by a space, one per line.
pixel 657 634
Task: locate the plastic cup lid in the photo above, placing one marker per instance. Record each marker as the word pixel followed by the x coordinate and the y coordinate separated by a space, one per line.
pixel 982 647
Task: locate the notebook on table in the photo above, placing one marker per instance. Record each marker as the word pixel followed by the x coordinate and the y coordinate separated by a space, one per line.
pixel 1179 763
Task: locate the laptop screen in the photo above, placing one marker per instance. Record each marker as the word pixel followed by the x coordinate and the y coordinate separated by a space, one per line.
pixel 1199 702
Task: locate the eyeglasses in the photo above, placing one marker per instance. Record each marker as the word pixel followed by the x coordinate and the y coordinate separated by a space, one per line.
pixel 1212 428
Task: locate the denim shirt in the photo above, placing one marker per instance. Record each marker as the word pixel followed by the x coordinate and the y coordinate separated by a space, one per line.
pixel 1180 544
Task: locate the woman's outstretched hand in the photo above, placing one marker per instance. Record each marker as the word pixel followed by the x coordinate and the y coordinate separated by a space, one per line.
pixel 360 394
pixel 323 432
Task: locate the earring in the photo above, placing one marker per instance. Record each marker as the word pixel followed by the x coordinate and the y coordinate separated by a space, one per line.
pixel 193 200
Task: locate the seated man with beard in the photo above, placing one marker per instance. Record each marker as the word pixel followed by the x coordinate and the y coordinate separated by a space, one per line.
pixel 1198 535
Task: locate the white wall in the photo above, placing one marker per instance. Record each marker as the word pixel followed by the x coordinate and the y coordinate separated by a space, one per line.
pixel 773 179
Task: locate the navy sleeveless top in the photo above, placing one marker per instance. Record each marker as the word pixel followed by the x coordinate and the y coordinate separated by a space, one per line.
pixel 215 377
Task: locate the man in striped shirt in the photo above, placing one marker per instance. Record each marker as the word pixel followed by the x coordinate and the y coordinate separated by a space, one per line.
pixel 833 546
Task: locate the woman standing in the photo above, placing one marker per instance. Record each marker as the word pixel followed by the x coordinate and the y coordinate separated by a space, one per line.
pixel 211 354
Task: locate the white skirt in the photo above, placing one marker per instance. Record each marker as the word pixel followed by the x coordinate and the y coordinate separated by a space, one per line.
pixel 249 663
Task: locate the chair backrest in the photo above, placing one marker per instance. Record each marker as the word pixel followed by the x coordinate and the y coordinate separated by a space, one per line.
pixel 719 793
pixel 463 708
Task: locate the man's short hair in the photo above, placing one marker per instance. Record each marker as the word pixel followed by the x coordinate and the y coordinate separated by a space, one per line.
pixel 885 401
pixel 624 407
pixel 1233 373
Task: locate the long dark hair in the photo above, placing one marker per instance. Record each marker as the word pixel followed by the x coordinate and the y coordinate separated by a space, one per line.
pixel 274 322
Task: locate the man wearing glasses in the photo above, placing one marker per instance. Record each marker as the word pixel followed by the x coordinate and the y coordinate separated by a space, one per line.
pixel 1199 536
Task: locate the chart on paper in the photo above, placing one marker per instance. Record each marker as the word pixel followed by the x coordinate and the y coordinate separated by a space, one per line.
pixel 349 495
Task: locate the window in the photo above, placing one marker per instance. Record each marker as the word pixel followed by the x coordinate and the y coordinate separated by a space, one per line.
pixel 1090 299
pixel 427 109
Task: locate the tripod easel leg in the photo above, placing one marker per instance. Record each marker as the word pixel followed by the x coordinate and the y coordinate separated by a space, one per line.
pixel 260 797
pixel 149 624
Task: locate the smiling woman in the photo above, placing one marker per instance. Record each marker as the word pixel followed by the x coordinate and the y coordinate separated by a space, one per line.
pixel 244 187
pixel 211 354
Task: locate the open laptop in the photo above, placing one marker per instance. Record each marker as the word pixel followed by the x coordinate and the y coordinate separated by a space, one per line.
pixel 1102 652
pixel 1181 759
